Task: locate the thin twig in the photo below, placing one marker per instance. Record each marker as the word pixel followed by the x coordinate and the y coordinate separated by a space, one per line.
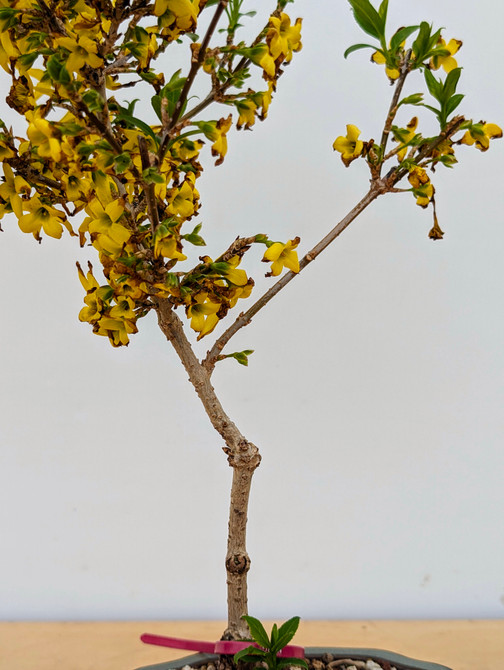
pixel 394 104
pixel 149 188
pixel 196 63
pixel 377 188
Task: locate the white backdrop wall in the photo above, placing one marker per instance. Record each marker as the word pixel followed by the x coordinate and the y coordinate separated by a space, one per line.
pixel 375 391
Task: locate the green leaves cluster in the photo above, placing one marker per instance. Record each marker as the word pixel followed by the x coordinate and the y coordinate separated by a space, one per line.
pixel 444 93
pixel 270 646
pixel 371 21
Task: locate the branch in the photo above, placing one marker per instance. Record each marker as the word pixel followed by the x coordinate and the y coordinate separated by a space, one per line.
pixel 196 63
pixel 393 105
pixel 242 64
pixel 149 188
pixel 377 188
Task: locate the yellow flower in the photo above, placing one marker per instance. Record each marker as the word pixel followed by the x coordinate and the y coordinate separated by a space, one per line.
pixel 391 72
pixel 423 189
pixel 184 12
pixel 405 135
pixel 447 62
pixel 280 255
pixel 5 150
pixel 89 283
pixel 480 134
pixel 41 135
pixel 283 38
pixel 8 50
pixel 216 131
pixel 123 309
pixel 219 147
pixel 246 109
pixel 266 99
pixel 93 310
pixel 183 200
pixel 116 330
pixel 167 245
pixel 203 314
pixel 241 292
pixel 234 276
pixel 11 188
pixel 102 221
pixel 350 147
pixel 82 51
pixel 260 55
pixel 40 217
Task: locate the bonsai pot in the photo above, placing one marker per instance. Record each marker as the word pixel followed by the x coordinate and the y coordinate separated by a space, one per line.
pixel 319 658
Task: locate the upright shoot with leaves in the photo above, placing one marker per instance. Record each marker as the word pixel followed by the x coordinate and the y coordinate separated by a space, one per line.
pixel 268 647
pixel 414 152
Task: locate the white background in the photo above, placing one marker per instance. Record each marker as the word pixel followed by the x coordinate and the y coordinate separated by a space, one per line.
pixel 375 392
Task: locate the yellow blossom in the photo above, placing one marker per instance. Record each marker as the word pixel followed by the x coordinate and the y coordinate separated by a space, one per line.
pixel 41 135
pixel 184 12
pixel 183 199
pixel 246 109
pixel 82 51
pixel 350 147
pixel 203 314
pixel 260 55
pixel 405 135
pixel 236 277
pixel 88 281
pixel 167 245
pixel 218 136
pixel 11 188
pixel 280 255
pixel 41 216
pixel 423 189
pixel 116 330
pixel 8 50
pixel 480 135
pixel 447 62
pixel 283 38
pixel 391 72
pixel 124 309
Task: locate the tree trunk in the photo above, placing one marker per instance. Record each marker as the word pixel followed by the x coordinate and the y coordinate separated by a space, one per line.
pixel 243 457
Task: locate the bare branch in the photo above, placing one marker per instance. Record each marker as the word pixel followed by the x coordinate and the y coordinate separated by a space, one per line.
pixel 377 188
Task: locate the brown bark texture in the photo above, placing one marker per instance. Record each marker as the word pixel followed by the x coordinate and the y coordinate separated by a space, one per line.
pixel 243 457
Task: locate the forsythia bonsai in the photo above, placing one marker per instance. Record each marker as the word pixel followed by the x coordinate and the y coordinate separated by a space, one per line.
pixel 131 184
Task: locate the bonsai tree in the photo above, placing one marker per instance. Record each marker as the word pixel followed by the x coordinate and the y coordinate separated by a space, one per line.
pixel 118 169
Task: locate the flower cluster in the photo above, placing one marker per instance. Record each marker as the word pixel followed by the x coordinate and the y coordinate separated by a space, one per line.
pixel 134 185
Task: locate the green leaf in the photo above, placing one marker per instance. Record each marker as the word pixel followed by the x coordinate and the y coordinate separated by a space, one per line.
pixel 249 655
pixel 257 631
pixel 152 176
pixel 451 81
pixel 434 85
pixel 137 123
pixel 421 45
pixel 382 11
pixel 414 99
pixel 287 631
pixel 57 70
pixel 93 100
pixel 453 103
pixel 356 47
pixel 368 18
pixel 401 35
pixel 274 640
pixel 122 162
pixel 27 60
